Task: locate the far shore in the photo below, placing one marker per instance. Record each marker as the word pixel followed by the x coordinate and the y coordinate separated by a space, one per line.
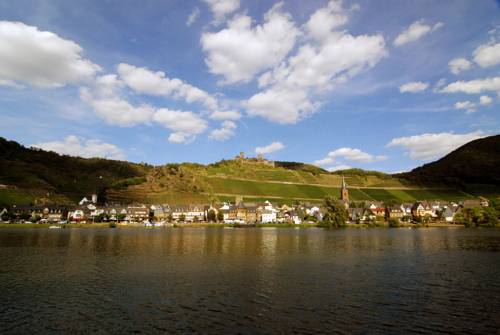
pixel 211 225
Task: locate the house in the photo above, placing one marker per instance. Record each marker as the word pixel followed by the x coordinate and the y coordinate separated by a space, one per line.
pixel 356 214
pixel 253 214
pixel 160 212
pixel 114 211
pixel 80 213
pixel 138 213
pixel 268 216
pixel 93 199
pixel 294 217
pixel 394 212
pixel 448 214
pixel 378 211
pixel 422 209
pixel 191 213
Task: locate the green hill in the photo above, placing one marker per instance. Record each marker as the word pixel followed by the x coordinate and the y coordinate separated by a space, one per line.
pixel 33 175
pixel 473 167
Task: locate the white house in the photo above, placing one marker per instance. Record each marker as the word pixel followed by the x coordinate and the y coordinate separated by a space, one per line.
pixel 268 216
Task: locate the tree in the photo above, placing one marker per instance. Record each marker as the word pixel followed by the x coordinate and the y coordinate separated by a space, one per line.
pixel 170 217
pixel 182 218
pixel 25 216
pixel 336 214
pixel 211 217
pixel 36 218
pixel 393 223
pixel 220 216
pixel 120 217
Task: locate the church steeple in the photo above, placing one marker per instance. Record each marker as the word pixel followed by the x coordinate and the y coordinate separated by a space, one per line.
pixel 344 193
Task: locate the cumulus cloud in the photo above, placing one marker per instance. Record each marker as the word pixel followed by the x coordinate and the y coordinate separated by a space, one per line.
pixel 225 115
pixel 221 8
pixel 270 148
pixel 223 133
pixel 281 105
pixel 458 65
pixel 485 100
pixel 290 89
pixel 349 154
pixel 487 55
pixel 241 50
pixel 87 148
pixel 432 146
pixel 40 58
pixel 326 19
pixel 413 87
pixel 415 31
pixel 193 16
pixel 185 125
pixel 145 81
pixel 469 106
pixel 476 86
pixel 105 98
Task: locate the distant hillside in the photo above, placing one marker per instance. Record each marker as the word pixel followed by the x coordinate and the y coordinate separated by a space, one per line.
pixel 47 176
pixel 475 164
pixel 33 175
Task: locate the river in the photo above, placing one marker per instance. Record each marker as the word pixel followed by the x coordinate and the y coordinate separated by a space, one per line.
pixel 249 281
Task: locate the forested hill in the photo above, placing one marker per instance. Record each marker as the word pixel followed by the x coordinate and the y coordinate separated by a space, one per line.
pixel 475 164
pixel 44 174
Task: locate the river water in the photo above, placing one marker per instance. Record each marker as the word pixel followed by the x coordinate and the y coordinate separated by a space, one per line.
pixel 250 281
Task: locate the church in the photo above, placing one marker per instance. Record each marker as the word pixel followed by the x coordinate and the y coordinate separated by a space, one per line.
pixel 344 194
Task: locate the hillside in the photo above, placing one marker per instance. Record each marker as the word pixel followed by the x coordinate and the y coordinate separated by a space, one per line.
pixel 475 165
pixel 33 175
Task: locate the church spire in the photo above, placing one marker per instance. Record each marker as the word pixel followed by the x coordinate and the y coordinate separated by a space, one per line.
pixel 343 182
pixel 344 193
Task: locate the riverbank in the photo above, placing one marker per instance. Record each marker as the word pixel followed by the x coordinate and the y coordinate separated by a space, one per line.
pixel 211 225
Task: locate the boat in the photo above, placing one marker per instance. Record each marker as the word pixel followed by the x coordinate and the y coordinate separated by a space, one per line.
pixel 55 227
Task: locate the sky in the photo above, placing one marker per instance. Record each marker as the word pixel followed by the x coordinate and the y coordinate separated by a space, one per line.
pixel 379 85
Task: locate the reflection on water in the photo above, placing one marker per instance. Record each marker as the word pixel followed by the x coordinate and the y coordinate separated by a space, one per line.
pixel 250 280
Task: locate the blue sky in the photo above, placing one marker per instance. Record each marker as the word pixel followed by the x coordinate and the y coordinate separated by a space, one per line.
pixel 377 85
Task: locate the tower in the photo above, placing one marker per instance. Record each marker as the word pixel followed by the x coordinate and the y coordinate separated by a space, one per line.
pixel 344 193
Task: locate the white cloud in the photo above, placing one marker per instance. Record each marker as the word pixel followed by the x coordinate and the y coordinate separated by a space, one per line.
pixel 458 65
pixel 485 100
pixel 270 148
pixel 466 105
pixel 193 16
pixel 339 167
pixel 281 105
pixel 413 87
pixel 225 115
pixel 349 154
pixel 104 97
pixel 110 104
pixel 185 125
pixel 431 146
pixel 145 81
pixel 241 50
pixel 487 55
pixel 415 31
pixel 40 58
pixel 87 148
pixel 326 19
pixel 474 86
pixel 221 8
pixel 290 89
pixel 225 132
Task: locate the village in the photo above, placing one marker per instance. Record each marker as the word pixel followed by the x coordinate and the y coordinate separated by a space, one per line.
pixel 89 211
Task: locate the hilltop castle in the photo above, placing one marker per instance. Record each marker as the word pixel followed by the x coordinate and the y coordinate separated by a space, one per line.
pixel 260 159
